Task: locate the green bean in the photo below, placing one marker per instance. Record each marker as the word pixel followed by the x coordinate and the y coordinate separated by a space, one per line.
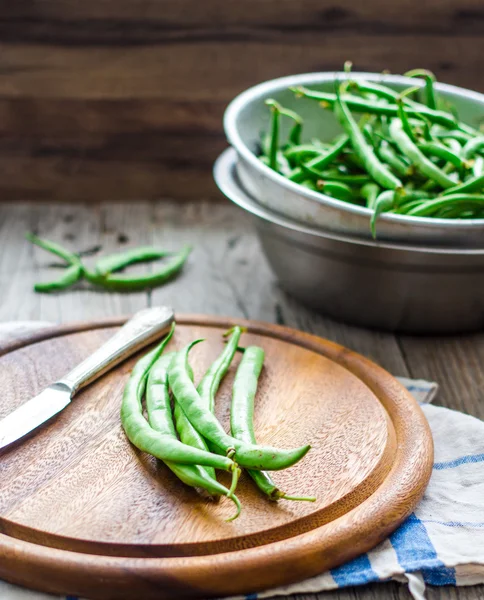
pixel 70 276
pixel 410 196
pixel 70 257
pixel 455 212
pixel 248 455
pixel 383 203
pixel 337 190
pixel 301 152
pixel 440 151
pixel 429 208
pixel 295 133
pixel 472 147
pixel 478 166
pixel 370 193
pixel 208 386
pixel 419 160
pixel 471 185
pixel 429 85
pixel 320 161
pixel 386 154
pixel 460 136
pixel 454 145
pixel 307 183
pixel 146 439
pixel 368 132
pixel 116 262
pixel 189 435
pixel 402 115
pixel 335 175
pixel 160 419
pixel 140 282
pixel 377 170
pixel 242 417
pixel 405 208
pixel 362 105
pixel 283 165
pixel 274 136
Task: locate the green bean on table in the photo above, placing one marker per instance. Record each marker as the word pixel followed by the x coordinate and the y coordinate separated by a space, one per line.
pixel 247 455
pixel 241 417
pixel 120 260
pixel 105 272
pixel 69 277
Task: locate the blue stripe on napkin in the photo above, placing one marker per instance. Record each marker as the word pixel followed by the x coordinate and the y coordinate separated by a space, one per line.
pixel 463 460
pixel 355 572
pixel 415 552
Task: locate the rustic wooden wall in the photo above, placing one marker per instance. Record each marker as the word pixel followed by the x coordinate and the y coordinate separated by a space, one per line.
pixel 123 99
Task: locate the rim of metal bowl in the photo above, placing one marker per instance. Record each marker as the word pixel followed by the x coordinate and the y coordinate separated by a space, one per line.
pixel 265 89
pixel 226 179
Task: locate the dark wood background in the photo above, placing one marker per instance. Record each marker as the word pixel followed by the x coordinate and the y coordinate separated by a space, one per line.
pixel 123 99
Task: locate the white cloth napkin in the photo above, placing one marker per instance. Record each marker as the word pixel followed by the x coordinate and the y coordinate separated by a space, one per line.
pixel 441 543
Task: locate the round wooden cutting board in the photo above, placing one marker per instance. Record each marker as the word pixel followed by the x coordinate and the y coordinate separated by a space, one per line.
pixel 84 512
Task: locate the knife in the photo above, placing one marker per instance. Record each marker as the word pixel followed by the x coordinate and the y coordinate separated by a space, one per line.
pixel 143 328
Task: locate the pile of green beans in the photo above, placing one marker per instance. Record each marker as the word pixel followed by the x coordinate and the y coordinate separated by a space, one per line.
pixel 401 155
pixel 182 431
pixel 106 270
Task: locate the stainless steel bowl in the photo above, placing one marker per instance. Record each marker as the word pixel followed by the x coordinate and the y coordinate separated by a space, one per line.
pixel 387 286
pixel 247 116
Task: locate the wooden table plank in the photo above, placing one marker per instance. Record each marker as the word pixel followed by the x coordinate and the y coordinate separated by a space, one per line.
pixel 226 274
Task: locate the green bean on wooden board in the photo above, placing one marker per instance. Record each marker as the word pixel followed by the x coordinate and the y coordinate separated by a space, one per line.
pixel 145 438
pixel 242 417
pixel 209 384
pixel 247 455
pixel 188 434
pixel 160 419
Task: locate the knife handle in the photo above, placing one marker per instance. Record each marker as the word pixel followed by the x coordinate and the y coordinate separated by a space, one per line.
pixel 143 328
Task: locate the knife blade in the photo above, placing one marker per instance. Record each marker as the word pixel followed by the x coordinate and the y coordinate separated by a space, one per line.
pixel 142 329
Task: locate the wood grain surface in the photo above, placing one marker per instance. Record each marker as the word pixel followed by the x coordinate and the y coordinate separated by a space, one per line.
pixel 124 100
pixel 226 274
pixel 79 486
